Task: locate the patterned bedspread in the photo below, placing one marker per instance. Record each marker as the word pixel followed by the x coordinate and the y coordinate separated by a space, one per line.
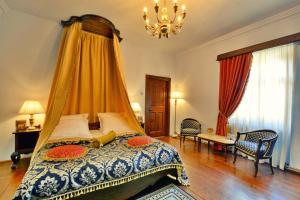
pixel 113 164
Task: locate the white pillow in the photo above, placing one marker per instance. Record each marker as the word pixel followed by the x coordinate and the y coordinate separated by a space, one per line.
pixel 71 130
pixel 114 122
pixel 96 133
pixel 77 116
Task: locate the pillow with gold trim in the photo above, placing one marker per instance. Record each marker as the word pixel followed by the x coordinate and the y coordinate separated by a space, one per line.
pixel 72 130
pixel 66 152
pixel 139 141
pixel 113 121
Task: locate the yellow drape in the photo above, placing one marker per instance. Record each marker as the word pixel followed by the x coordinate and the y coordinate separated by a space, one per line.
pixel 88 79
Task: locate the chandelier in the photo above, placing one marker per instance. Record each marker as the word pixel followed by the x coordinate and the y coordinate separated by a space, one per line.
pixel 165 22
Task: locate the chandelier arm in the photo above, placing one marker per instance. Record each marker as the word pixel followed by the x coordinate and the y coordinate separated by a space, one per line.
pixel 174 18
pixel 157 17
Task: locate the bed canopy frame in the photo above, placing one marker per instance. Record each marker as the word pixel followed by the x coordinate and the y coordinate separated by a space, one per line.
pixel 89 72
pixel 94 24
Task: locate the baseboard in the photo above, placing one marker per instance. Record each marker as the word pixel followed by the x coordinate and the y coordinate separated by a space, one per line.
pixel 4 161
pixel 293 170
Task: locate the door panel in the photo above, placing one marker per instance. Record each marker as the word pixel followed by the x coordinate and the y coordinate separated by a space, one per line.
pixel 157 106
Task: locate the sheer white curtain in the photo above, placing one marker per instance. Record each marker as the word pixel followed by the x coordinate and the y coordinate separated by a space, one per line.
pixel 267 102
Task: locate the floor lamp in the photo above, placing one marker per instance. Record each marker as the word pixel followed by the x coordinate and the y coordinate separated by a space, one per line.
pixel 175 96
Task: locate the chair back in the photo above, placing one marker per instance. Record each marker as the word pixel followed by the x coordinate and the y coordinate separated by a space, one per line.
pixel 190 123
pixel 255 136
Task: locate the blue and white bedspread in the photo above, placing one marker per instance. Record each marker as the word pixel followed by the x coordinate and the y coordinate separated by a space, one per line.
pixel 111 165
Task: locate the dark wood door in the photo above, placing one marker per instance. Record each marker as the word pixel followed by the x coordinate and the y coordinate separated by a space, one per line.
pixel 157 106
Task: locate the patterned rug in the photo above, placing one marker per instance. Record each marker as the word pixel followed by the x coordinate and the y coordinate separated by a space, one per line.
pixel 169 192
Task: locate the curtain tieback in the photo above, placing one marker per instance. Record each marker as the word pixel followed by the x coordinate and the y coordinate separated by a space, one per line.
pixel 222 114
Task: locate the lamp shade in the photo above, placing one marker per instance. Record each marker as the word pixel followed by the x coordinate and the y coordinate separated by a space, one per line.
pixel 31 107
pixel 136 107
pixel 176 95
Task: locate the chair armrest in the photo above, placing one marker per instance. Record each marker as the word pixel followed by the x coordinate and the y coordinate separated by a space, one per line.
pixel 268 139
pixel 270 143
pixel 239 135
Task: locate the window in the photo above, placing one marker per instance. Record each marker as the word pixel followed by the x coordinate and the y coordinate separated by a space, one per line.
pixel 267 102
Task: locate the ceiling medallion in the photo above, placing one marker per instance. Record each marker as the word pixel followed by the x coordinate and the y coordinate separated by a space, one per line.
pixel 166 22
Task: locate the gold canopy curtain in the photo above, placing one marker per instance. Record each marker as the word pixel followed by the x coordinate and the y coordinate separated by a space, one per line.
pixel 88 79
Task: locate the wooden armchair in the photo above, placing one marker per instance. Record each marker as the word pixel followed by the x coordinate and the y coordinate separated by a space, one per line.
pixel 257 144
pixel 189 127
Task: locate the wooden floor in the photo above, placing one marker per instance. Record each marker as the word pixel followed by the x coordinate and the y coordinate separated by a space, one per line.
pixel 211 177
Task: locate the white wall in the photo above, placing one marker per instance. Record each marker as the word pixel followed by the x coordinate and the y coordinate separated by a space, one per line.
pixel 197 72
pixel 28 51
pixel 140 61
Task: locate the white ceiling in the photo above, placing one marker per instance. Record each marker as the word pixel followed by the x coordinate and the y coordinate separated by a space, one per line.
pixel 206 19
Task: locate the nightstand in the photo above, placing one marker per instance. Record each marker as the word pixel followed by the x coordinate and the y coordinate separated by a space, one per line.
pixel 25 142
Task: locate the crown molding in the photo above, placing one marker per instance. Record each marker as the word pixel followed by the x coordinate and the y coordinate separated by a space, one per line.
pixel 256 25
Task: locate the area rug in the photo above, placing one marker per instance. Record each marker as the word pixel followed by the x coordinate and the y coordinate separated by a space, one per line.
pixel 169 192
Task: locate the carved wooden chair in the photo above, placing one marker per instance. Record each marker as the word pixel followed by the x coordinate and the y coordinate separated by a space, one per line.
pixel 258 144
pixel 189 128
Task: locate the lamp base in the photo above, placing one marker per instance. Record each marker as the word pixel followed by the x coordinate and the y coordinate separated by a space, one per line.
pixel 31 127
pixel 174 135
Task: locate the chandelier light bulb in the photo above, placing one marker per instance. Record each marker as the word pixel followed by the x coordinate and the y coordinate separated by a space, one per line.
pixel 175 1
pixel 179 18
pixel 156 1
pixel 183 7
pixel 145 9
pixel 147 21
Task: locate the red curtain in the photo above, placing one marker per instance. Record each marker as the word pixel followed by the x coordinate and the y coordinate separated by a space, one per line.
pixel 234 73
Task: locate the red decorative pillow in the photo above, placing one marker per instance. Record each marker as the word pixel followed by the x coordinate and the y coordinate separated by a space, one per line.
pixel 66 152
pixel 139 141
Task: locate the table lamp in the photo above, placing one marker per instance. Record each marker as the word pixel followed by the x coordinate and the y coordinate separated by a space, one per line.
pixel 136 107
pixel 31 108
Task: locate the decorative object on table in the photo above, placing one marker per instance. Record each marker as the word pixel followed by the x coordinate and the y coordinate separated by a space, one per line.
pixel 167 23
pixel 65 153
pixel 136 107
pixel 258 144
pixel 216 139
pixel 189 128
pixel 31 108
pixel 139 141
pixel 24 143
pixel 176 96
pixel 21 125
pixel 210 130
pixel 168 192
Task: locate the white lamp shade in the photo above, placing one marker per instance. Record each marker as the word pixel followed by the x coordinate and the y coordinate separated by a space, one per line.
pixel 136 107
pixel 31 107
pixel 176 95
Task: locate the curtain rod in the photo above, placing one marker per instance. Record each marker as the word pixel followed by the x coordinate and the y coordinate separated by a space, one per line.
pixel 261 46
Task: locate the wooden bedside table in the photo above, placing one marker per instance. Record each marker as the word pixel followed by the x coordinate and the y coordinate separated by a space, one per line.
pixel 25 142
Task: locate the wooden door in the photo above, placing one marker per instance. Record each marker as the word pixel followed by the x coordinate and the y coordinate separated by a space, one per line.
pixel 157 106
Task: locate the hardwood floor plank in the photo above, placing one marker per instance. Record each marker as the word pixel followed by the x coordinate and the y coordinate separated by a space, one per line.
pixel 211 177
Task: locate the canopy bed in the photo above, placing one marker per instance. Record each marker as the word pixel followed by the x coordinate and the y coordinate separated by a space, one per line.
pixel 89 79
